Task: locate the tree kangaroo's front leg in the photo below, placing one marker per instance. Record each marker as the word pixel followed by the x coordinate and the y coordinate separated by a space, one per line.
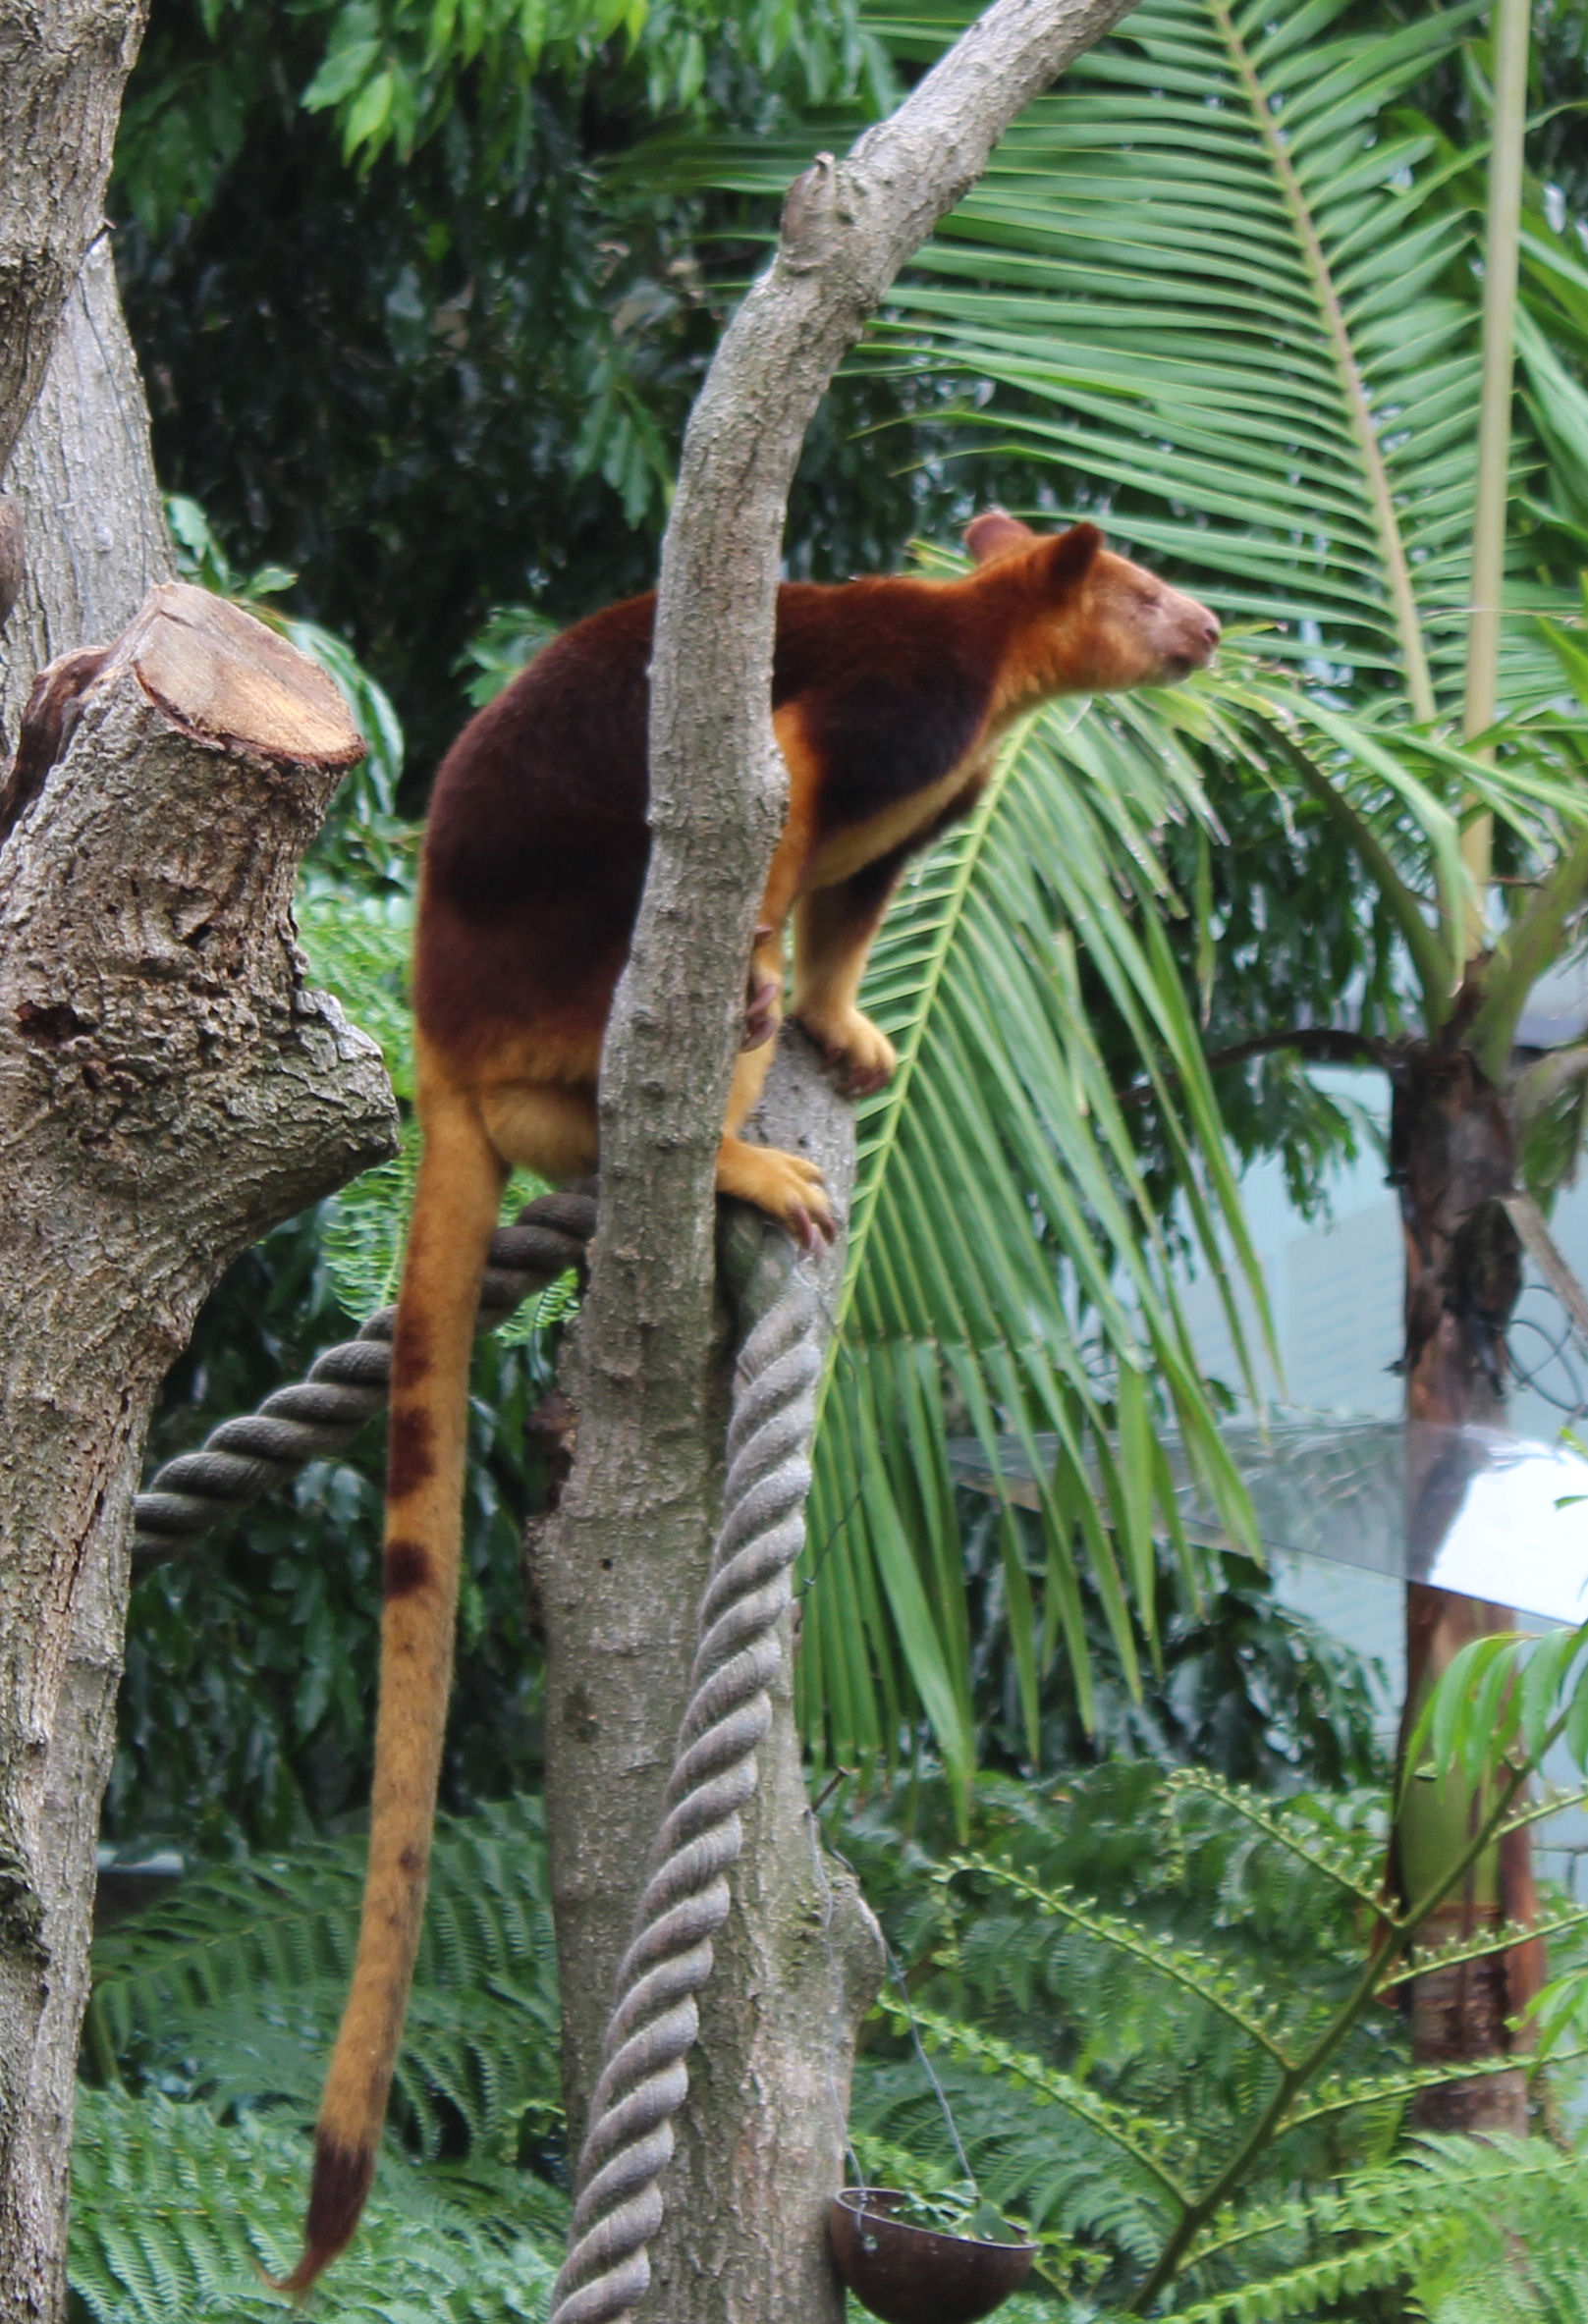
pixel 832 932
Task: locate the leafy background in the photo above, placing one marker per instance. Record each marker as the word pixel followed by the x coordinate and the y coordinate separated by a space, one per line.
pixel 428 417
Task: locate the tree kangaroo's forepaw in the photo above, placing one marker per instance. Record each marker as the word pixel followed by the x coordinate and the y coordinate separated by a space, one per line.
pixel 786 1186
pixel 859 1055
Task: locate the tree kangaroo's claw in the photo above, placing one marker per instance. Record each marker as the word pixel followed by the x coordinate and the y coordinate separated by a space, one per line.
pixel 762 993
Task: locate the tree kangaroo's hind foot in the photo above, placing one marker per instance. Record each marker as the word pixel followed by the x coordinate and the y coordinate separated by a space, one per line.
pixel 786 1186
pixel 856 1053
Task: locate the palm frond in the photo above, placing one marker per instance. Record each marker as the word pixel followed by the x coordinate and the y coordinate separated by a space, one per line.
pixel 1007 1259
pixel 1223 284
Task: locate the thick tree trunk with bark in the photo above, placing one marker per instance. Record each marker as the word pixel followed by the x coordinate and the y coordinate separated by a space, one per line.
pixel 81 483
pixel 1453 1159
pixel 632 1535
pixel 169 1090
pixel 63 66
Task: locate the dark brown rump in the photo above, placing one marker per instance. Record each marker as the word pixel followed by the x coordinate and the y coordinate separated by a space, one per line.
pixel 548 968
pixel 550 777
pixel 536 844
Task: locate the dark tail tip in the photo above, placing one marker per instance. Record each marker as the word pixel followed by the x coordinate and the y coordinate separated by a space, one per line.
pixel 336 2196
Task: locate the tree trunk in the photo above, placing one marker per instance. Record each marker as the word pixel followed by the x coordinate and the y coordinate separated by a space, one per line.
pixel 630 1538
pixel 1452 1157
pixel 761 2148
pixel 169 1090
pixel 63 66
pixel 82 478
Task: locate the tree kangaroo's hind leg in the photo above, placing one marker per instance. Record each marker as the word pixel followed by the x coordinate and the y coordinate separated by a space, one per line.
pixel 832 932
pixel 542 1126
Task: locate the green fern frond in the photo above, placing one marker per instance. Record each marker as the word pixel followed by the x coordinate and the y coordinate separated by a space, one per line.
pixel 175 2214
pixel 1195 1972
pixel 232 1990
pixel 1154 2146
pixel 1294 1825
pixel 1337 2094
pixel 1312 2286
pixel 1497 1938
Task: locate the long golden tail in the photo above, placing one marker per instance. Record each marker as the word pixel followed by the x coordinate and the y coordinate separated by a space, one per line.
pixel 455 1207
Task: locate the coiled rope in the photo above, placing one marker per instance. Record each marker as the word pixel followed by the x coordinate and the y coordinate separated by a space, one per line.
pixel 318 1418
pixel 654 2021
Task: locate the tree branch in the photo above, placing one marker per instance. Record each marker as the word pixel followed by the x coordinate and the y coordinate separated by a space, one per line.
pixel 63 65
pixel 82 471
pixel 1435 968
pixel 1325 1044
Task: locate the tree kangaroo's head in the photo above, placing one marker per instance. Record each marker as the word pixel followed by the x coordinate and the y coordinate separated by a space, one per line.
pixel 1087 622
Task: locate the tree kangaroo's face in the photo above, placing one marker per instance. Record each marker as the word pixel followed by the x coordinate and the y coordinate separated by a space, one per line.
pixel 1140 632
pixel 1093 623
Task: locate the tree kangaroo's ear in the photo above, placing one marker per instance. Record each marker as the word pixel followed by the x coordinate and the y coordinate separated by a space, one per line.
pixel 1071 557
pixel 993 535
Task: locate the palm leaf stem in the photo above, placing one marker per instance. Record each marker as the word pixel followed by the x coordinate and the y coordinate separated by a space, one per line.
pixel 1524 955
pixel 882 1128
pixel 1432 964
pixel 1408 627
pixel 1492 506
pixel 1500 272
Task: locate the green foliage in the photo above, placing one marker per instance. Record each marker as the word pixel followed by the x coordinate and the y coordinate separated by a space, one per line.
pixel 1241 1685
pixel 1117 1982
pixel 232 1990
pixel 1106 1951
pixel 1008 1264
pixel 209 2024
pixel 175 2214
pixel 1518 2253
pixel 512 638
pixel 452 373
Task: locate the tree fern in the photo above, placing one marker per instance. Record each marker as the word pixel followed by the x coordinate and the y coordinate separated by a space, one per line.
pixel 1115 1985
pixel 232 1990
pixel 175 2214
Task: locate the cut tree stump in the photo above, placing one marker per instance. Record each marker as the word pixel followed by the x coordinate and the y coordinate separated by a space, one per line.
pixel 170 1089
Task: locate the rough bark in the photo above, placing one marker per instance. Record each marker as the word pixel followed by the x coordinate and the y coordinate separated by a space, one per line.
pixel 169 1090
pixel 631 1533
pixel 63 66
pixel 1453 1159
pixel 82 478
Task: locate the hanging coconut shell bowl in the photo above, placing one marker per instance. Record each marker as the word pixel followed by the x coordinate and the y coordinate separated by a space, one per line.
pixel 917 2275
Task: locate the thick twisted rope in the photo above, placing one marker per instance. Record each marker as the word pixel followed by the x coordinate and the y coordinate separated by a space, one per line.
pixel 318 1418
pixel 654 2021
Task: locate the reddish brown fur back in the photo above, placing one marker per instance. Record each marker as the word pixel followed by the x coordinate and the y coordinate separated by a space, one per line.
pixel 537 847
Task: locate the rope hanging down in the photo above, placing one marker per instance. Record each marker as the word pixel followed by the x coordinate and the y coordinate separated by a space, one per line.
pixel 654 2021
pixel 318 1418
